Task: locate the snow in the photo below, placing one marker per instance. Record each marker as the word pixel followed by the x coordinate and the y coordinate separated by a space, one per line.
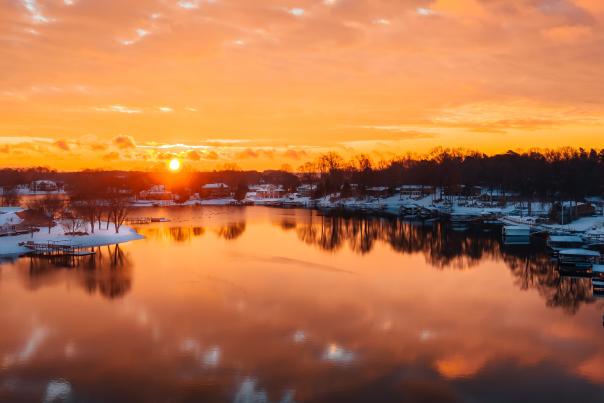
pixel 215 186
pixel 565 238
pixel 10 218
pixel 579 252
pixel 9 245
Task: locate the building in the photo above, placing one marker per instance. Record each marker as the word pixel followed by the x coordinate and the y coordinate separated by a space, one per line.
pixel 215 191
pixel 156 192
pixel 414 191
pixel 268 191
pixel 496 196
pixel 378 191
pixel 306 190
pixel 44 185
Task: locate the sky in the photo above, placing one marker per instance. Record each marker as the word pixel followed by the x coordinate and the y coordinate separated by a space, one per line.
pixel 130 84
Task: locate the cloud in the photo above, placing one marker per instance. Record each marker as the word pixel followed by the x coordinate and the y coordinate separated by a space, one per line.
pixel 193 155
pixel 111 156
pixel 34 10
pixel 296 154
pixel 124 142
pixel 296 11
pixel 62 144
pixel 119 109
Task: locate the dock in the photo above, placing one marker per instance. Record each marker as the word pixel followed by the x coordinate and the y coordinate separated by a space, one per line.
pixel 57 248
pixel 15 230
pixel 144 220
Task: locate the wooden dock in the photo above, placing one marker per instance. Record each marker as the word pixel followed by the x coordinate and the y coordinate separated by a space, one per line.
pixel 56 248
pixel 15 230
pixel 144 220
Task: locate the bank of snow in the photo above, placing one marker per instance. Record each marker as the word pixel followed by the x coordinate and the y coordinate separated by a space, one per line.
pixel 9 245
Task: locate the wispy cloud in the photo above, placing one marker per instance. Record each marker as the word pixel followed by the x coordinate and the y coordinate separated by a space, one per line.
pixel 34 10
pixel 119 109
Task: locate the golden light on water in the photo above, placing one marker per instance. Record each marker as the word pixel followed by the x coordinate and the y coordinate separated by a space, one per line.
pixel 174 165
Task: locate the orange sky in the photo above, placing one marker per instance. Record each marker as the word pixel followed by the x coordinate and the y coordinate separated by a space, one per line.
pixel 129 83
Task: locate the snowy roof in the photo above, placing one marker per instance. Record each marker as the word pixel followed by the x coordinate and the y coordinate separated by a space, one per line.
pixel 565 238
pixel 378 188
pixel 579 252
pixel 267 186
pixel 214 186
pixel 598 268
pixel 413 187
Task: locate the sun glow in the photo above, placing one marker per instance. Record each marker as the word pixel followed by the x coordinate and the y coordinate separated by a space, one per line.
pixel 174 165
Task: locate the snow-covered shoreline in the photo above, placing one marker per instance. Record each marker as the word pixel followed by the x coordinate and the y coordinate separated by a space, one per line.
pixel 460 208
pixel 9 245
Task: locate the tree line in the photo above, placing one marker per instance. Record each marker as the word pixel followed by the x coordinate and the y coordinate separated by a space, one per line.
pixel 541 174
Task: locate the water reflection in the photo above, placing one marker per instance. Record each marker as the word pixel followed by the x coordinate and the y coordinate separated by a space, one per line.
pixel 447 249
pixel 171 233
pixel 300 308
pixel 108 271
pixel 231 231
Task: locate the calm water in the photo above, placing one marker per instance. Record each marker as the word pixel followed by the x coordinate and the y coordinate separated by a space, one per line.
pixel 268 305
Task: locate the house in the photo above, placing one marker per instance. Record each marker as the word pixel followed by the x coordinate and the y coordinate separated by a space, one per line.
pixel 414 191
pixel 215 191
pixel 378 191
pixel 45 185
pixel 496 195
pixel 268 191
pixel 306 190
pixel 156 192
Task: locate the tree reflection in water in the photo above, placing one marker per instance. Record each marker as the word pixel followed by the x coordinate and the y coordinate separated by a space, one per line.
pixel 108 271
pixel 443 248
pixel 177 234
pixel 231 231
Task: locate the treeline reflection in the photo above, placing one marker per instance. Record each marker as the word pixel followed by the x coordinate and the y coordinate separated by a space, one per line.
pixel 108 272
pixel 444 248
pixel 181 234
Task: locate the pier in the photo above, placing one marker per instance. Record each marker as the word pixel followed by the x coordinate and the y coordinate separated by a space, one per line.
pixel 56 248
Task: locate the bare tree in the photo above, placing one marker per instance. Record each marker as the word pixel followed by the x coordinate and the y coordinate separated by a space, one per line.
pixel 72 223
pixel 9 196
pixel 118 205
pixel 50 205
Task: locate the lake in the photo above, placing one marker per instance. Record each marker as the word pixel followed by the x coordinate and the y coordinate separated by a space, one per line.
pixel 269 305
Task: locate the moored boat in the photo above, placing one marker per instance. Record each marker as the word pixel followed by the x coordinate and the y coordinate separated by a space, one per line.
pixel 560 242
pixel 579 261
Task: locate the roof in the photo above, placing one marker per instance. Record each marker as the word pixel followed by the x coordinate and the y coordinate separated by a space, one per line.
pixel 579 252
pixel 598 268
pixel 565 238
pixel 214 186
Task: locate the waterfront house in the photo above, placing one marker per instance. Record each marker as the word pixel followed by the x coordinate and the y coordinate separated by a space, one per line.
pixel 378 191
pixel 306 190
pixel 215 191
pixel 156 192
pixel 268 191
pixel 45 186
pixel 414 191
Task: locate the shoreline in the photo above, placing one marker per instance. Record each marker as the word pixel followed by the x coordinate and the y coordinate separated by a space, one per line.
pixel 10 248
pixel 424 208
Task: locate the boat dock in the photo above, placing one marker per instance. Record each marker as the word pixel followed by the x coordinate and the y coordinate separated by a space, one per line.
pixel 15 230
pixel 144 220
pixel 56 248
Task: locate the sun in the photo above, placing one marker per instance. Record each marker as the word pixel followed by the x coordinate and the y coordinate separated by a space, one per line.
pixel 174 164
